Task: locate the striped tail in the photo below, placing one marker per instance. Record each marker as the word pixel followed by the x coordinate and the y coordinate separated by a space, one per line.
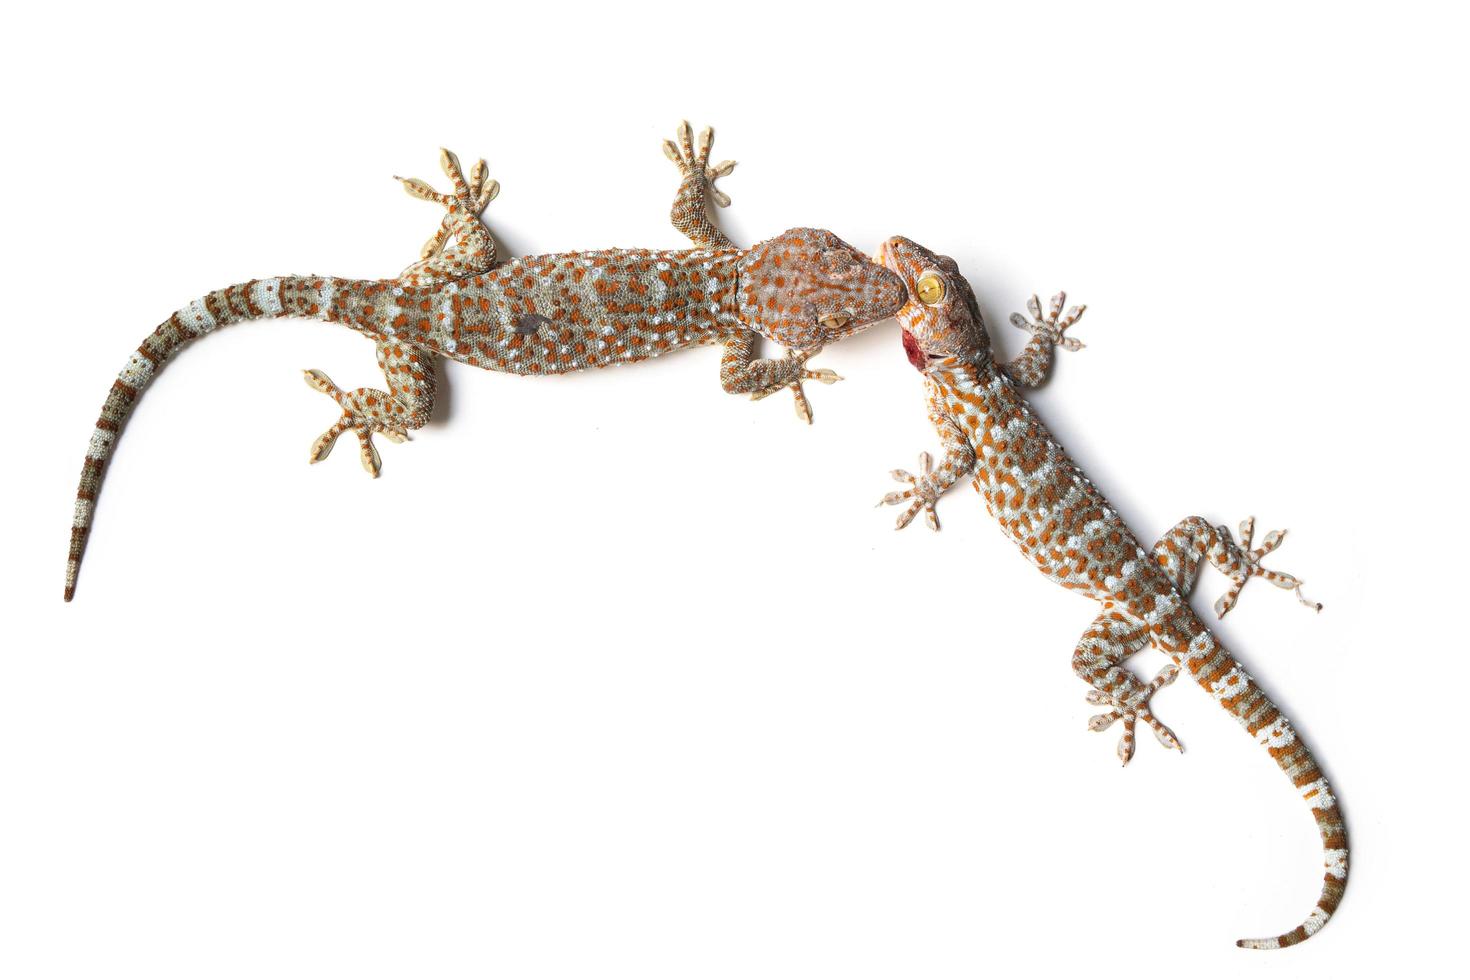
pixel 1214 669
pixel 317 297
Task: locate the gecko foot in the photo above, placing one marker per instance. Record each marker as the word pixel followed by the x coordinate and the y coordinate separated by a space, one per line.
pixel 1051 326
pixel 1247 565
pixel 462 207
pixel 797 362
pixel 358 415
pixel 694 161
pixel 921 493
pixel 1132 709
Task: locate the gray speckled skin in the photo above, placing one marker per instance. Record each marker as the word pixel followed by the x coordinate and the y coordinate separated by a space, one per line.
pixel 544 314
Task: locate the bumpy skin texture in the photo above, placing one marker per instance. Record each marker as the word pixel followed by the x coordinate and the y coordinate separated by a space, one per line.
pixel 1065 526
pixel 545 314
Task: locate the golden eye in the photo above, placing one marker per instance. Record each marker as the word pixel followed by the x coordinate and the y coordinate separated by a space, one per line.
pixel 930 289
pixel 834 321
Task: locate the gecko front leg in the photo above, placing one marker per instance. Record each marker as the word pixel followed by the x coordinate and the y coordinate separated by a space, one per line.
pixel 1033 364
pixel 690 213
pixel 406 404
pixel 925 489
pixel 741 372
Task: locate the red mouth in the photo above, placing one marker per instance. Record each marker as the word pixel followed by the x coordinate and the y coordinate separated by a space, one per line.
pixel 916 356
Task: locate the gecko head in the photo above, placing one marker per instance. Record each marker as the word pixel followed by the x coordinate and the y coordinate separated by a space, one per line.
pixel 940 317
pixel 807 288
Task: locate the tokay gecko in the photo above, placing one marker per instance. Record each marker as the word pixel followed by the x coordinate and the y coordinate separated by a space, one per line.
pixel 543 314
pixel 1069 530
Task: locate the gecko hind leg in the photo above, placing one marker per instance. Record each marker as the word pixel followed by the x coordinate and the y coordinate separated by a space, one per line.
pixel 370 411
pixel 1194 539
pixel 462 245
pixel 1098 659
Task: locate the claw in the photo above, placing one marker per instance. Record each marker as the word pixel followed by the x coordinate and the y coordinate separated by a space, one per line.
pixel 920 494
pixel 470 195
pixel 489 192
pixel 692 158
pixel 821 375
pixel 803 407
pixel 368 453
pixel 1250 562
pixel 362 426
pixel 1057 302
pixel 1133 710
pixel 1052 326
pixel 322 448
pixel 320 382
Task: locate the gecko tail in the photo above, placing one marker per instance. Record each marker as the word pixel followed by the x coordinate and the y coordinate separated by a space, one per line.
pixel 315 297
pixel 1220 674
pixel 1334 882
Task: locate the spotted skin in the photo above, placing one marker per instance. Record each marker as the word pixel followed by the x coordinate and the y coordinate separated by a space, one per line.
pixel 539 315
pixel 1064 525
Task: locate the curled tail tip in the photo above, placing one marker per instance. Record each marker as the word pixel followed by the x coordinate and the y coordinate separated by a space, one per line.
pixel 1300 934
pixel 1276 942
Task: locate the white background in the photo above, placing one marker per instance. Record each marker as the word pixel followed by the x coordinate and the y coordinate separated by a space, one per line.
pixel 617 675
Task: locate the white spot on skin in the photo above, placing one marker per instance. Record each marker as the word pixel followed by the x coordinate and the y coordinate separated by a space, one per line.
pixel 82 513
pixel 1225 688
pixel 137 372
pixel 266 294
pixel 1322 798
pixel 196 318
pixel 1277 736
pixel 101 444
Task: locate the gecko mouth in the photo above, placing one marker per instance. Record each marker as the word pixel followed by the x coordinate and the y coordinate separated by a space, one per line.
pixel 915 353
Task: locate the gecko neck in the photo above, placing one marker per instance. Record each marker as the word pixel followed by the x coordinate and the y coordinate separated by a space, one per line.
pixel 961 369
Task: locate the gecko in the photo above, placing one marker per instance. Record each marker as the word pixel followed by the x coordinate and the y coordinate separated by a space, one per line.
pixel 539 315
pixel 1064 525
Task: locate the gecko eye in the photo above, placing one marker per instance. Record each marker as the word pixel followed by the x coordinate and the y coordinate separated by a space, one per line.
pixel 834 321
pixel 930 289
